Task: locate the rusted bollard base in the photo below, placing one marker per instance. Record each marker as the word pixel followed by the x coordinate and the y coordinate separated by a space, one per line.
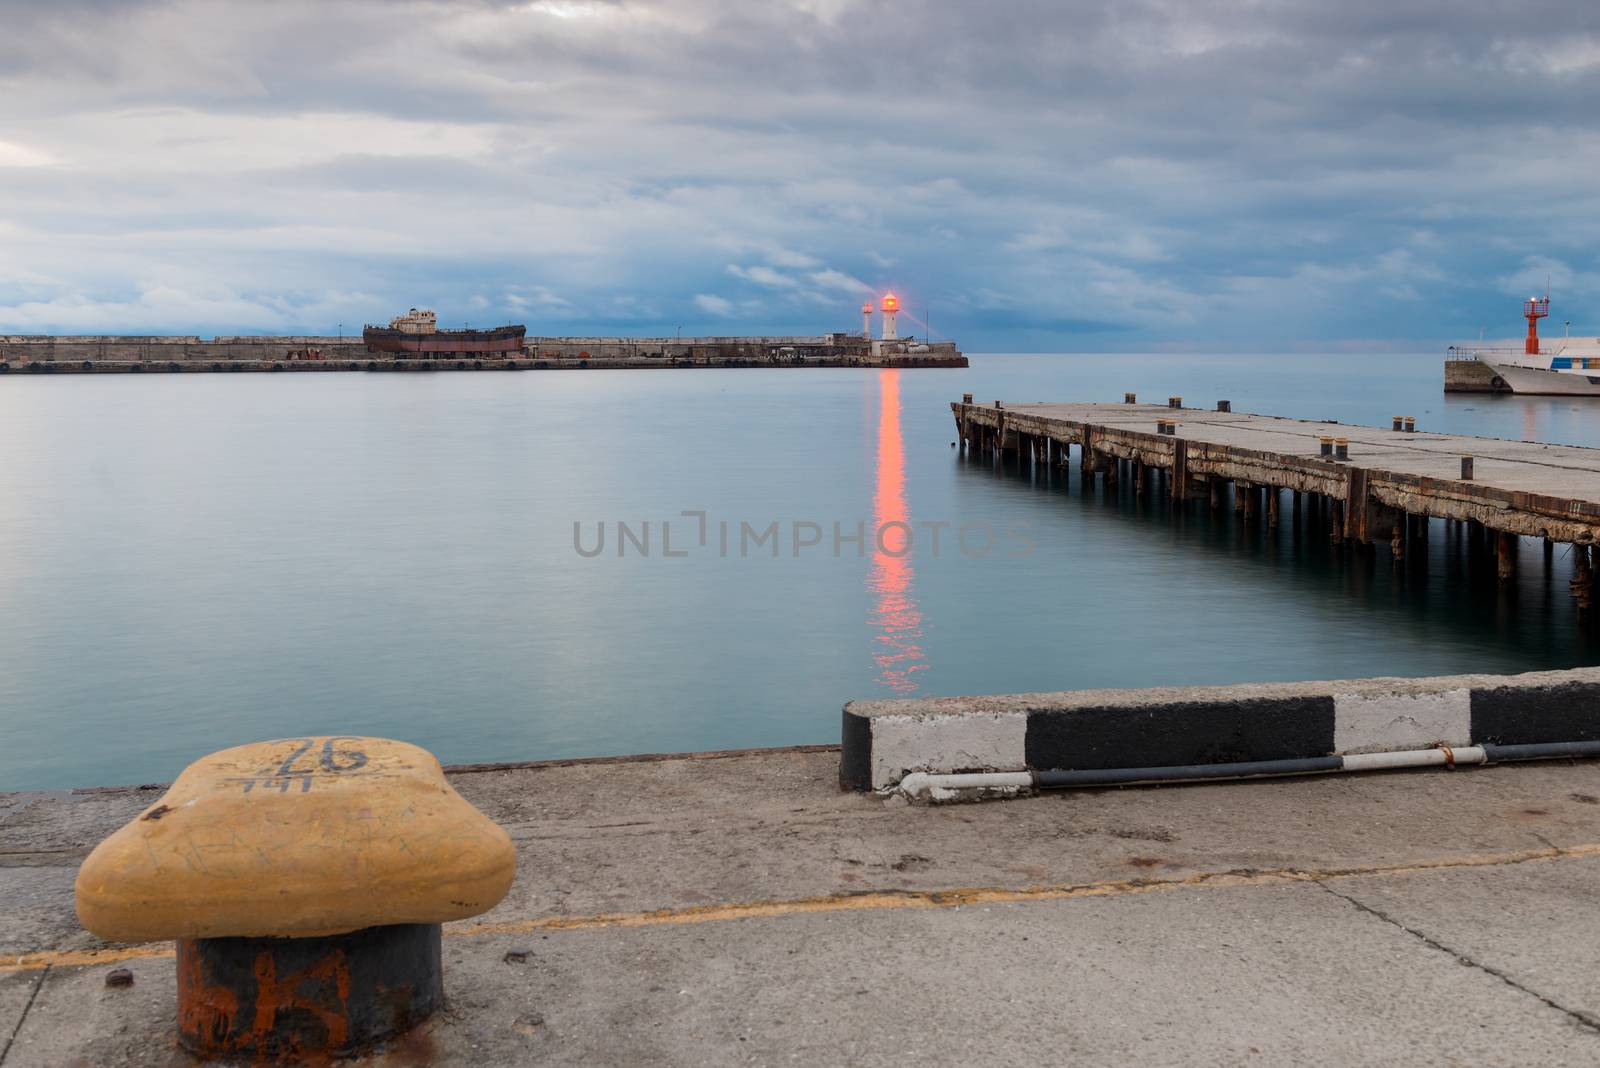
pixel 292 998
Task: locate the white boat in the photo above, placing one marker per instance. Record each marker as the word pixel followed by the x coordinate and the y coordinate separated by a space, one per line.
pixel 1570 366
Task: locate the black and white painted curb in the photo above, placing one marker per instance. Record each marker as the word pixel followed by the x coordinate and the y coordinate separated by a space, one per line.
pixel 1105 737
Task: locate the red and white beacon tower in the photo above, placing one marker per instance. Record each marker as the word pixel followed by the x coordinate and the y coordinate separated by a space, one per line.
pixel 1534 309
pixel 891 305
pixel 866 320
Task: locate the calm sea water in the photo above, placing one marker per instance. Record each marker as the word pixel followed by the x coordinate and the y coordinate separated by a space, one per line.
pixel 189 562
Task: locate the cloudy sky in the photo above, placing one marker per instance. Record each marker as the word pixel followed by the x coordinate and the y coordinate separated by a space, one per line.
pixel 1035 176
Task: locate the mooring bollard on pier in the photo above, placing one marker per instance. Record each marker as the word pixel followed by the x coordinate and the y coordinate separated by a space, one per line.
pixel 304 881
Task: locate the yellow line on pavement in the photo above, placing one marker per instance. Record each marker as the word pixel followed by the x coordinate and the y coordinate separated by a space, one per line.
pixel 866 901
pixel 73 958
pixel 990 895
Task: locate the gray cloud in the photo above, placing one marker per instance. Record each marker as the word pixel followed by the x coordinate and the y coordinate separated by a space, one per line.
pixel 1042 174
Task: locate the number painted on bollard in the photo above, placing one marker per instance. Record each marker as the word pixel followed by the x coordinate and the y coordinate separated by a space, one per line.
pixel 356 757
pixel 333 762
pixel 287 767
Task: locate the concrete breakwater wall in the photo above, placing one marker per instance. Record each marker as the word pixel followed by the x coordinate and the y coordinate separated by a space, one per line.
pixel 1472 376
pixel 113 354
pixel 27 349
pixel 1173 727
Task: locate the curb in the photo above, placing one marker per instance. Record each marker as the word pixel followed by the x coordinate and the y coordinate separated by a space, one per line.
pixel 1185 727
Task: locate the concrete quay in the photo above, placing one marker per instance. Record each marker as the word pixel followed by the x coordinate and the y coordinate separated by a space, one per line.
pixel 741 909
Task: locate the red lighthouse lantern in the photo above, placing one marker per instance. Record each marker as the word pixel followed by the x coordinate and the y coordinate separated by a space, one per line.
pixel 1534 309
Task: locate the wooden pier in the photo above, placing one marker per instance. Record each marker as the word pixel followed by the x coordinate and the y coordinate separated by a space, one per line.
pixel 1375 483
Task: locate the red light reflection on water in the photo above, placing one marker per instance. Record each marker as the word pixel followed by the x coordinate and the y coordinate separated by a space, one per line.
pixel 895 611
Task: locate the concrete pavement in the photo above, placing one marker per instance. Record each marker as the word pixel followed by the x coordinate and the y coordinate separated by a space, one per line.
pixel 741 910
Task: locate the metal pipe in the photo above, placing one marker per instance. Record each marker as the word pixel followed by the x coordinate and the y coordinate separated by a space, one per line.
pixel 1415 758
pixel 920 784
pixel 1189 772
pixel 1499 754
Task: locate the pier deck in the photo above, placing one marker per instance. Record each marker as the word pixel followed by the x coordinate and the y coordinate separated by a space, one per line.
pixel 1516 487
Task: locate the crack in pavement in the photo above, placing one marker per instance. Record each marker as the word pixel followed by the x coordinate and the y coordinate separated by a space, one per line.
pixel 1577 1016
pixel 17 1030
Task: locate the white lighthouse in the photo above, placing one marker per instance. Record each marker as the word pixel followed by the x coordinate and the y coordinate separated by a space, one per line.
pixel 866 320
pixel 891 305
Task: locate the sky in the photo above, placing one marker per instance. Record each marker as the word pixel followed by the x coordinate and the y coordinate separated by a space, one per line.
pixel 1044 175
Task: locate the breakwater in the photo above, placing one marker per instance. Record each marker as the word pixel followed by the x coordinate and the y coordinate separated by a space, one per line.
pixel 43 354
pixel 1471 376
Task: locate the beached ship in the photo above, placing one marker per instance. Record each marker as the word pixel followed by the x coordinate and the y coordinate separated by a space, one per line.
pixel 1570 365
pixel 416 336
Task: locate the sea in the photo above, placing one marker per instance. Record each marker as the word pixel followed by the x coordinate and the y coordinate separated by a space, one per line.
pixel 536 565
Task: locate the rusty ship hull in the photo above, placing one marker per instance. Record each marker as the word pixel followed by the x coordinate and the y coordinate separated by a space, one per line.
pixel 502 341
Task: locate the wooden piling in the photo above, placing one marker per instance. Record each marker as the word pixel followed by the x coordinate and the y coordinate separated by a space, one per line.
pixel 1505 551
pixel 1417 532
pixel 1581 584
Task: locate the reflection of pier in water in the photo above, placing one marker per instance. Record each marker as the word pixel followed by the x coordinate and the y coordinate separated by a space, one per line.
pixel 895 612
